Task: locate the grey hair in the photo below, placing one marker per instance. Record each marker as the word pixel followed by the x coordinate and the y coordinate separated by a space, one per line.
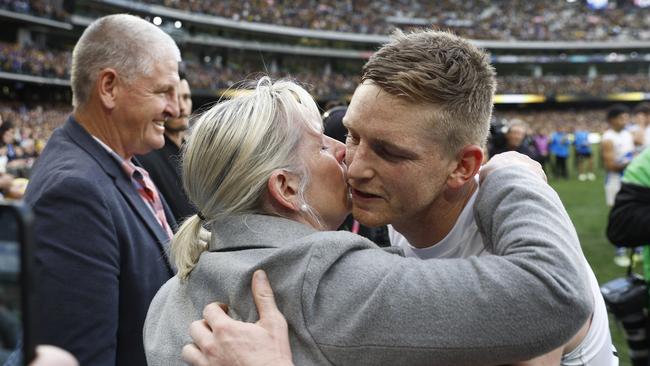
pixel 443 70
pixel 232 151
pixel 126 43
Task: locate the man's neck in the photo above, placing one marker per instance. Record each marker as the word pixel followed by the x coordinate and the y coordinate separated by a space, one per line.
pixel 100 127
pixel 433 225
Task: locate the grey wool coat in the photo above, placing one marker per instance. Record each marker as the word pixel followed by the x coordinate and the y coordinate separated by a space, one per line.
pixel 347 302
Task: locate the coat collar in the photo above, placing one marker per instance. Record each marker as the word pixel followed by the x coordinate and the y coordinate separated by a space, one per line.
pixel 259 231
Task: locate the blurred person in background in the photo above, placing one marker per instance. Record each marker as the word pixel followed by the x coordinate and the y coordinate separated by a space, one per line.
pixel 617 148
pixel 16 162
pixel 517 139
pixel 101 228
pixel 641 118
pixel 163 165
pixel 540 138
pixel 584 160
pixel 559 148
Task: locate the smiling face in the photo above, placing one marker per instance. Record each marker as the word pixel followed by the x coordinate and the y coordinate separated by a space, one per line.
pixel 327 192
pixel 143 105
pixel 395 169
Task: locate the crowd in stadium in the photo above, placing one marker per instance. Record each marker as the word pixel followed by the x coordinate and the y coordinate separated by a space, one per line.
pixel 482 19
pixel 24 59
pixel 25 132
pixel 42 8
pixel 50 63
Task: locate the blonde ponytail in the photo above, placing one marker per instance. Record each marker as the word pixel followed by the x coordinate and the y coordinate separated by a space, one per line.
pixel 187 247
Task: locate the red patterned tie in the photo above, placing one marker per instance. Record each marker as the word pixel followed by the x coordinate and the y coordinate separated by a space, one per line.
pixel 149 193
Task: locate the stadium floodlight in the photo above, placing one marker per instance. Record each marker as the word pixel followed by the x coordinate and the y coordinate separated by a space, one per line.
pixel 178 24
pixel 157 20
pixel 597 4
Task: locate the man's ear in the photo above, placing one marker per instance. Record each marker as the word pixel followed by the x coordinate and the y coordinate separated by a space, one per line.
pixel 283 191
pixel 108 85
pixel 468 163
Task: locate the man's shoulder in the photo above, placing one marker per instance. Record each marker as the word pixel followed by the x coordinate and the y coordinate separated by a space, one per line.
pixel 64 164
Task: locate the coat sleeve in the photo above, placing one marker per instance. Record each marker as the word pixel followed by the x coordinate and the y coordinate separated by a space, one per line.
pixel 77 265
pixel 370 307
pixel 629 219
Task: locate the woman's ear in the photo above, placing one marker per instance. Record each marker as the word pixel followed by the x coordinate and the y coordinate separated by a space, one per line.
pixel 468 164
pixel 283 190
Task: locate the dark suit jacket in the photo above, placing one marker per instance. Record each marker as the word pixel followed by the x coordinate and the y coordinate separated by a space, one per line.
pixel 100 255
pixel 163 166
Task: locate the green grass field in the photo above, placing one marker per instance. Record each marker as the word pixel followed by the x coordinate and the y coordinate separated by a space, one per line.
pixel 585 202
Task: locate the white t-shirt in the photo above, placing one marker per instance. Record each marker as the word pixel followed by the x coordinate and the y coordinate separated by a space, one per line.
pixel 464 240
pixel 464 231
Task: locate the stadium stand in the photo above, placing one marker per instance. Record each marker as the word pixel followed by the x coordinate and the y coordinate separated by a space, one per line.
pixel 483 19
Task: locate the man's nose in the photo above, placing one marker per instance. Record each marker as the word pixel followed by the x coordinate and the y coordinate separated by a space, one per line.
pixel 359 167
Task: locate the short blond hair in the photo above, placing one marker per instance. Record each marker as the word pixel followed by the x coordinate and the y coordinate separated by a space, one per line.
pixel 442 70
pixel 126 43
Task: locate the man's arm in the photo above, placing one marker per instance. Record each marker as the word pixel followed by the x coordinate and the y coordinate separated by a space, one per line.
pixel 221 341
pixel 529 298
pixel 609 157
pixel 76 272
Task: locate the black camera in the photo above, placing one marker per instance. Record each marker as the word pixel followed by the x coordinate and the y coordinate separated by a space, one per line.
pixel 15 283
pixel 627 299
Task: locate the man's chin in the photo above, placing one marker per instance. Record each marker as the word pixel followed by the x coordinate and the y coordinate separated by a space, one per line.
pixel 368 218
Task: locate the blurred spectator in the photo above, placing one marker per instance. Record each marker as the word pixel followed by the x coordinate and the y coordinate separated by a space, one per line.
pixel 16 163
pixel 541 143
pixel 559 148
pixel 584 160
pixel 641 119
pixel 517 139
pixel 617 148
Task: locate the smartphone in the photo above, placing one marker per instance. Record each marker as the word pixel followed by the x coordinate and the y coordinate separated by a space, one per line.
pixel 15 281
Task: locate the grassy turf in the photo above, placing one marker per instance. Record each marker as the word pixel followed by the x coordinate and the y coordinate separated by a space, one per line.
pixel 585 203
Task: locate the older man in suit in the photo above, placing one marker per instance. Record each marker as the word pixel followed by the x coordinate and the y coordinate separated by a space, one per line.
pixel 101 227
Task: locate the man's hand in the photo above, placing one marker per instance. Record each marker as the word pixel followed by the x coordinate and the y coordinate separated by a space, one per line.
pixel 508 159
pixel 53 356
pixel 221 341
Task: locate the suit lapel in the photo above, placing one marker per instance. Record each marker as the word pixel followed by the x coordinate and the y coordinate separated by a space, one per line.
pixel 123 183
